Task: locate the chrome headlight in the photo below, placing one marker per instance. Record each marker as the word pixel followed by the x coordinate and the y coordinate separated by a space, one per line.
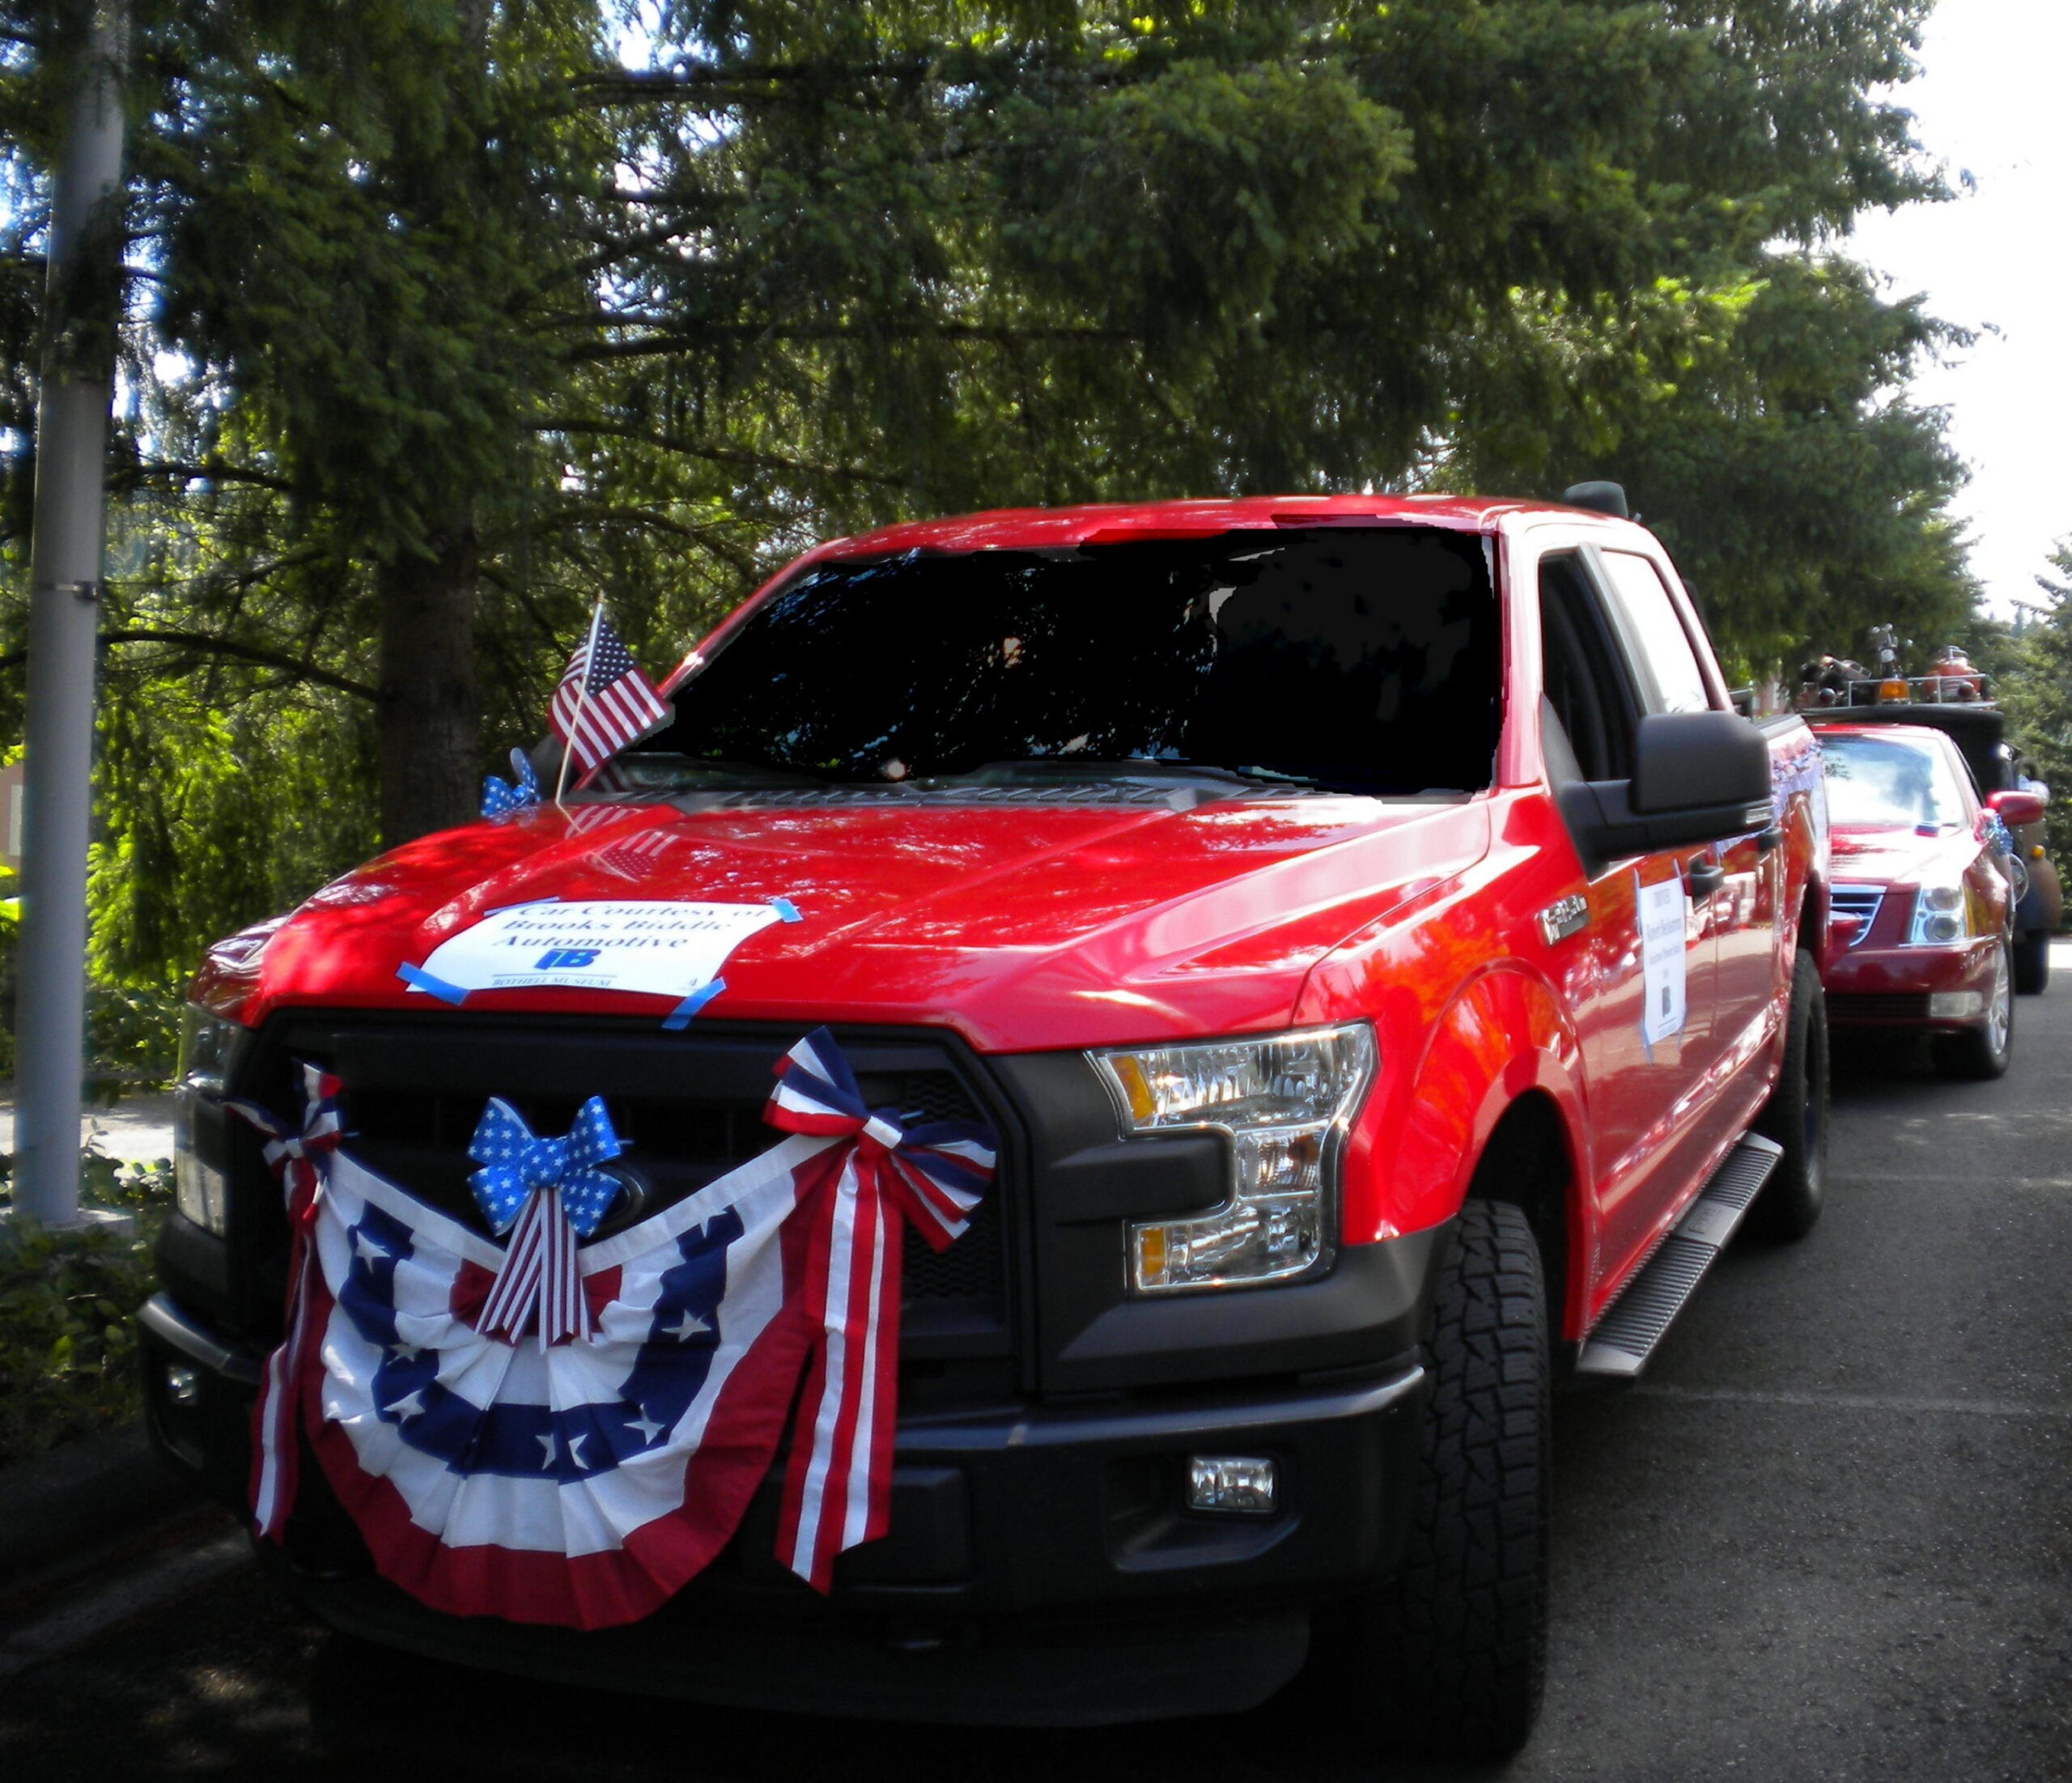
pixel 208 1052
pixel 1942 915
pixel 208 1049
pixel 1284 1101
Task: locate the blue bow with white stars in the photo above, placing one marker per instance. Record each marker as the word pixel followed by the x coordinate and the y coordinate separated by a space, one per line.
pixel 501 798
pixel 513 1163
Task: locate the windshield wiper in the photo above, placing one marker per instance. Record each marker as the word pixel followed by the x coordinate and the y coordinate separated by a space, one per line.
pixel 660 773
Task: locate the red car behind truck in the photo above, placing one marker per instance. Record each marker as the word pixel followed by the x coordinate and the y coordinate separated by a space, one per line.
pixel 1922 931
pixel 1390 966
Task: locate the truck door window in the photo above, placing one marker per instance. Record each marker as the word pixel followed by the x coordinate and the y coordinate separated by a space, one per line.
pixel 1586 682
pixel 1664 663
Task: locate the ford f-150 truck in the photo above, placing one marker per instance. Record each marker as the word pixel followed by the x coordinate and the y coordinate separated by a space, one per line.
pixel 1386 963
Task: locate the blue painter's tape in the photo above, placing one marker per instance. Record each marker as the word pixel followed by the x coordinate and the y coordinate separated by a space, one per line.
pixel 786 908
pixel 418 979
pixel 680 1016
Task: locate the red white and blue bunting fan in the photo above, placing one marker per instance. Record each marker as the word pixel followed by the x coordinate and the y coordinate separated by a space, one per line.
pixel 579 1468
pixel 298 1158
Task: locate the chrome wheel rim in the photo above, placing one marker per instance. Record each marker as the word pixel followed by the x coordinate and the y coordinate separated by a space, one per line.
pixel 1999 1015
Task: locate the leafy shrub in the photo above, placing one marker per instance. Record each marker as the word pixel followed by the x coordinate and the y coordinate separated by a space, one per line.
pixel 68 1339
pixel 132 1034
pixel 133 1029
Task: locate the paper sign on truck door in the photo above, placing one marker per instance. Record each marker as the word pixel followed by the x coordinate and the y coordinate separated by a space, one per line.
pixel 1660 909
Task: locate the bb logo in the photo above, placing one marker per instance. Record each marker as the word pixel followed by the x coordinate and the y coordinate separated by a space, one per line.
pixel 565 959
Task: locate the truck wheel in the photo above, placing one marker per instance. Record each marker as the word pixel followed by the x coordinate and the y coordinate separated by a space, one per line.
pixel 1448 1659
pixel 2031 963
pixel 1983 1052
pixel 1796 1114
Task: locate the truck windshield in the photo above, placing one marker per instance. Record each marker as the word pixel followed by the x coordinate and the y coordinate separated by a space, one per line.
pixel 1362 661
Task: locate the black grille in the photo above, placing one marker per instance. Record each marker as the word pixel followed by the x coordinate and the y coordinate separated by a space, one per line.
pixel 1894 1006
pixel 688 1106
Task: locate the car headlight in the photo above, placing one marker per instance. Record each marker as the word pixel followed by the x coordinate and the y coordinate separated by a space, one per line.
pixel 208 1052
pixel 1941 916
pixel 1284 1101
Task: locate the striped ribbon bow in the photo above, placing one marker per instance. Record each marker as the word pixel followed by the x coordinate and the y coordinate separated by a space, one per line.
pixel 838 1485
pixel 298 1159
pixel 500 798
pixel 547 1194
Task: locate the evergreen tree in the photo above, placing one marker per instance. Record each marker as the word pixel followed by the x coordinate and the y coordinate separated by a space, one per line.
pixel 454 314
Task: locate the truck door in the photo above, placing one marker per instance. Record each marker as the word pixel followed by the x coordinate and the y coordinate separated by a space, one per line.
pixel 1740 912
pixel 1645 1011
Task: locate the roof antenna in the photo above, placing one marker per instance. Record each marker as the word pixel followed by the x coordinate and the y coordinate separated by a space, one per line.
pixel 1599 498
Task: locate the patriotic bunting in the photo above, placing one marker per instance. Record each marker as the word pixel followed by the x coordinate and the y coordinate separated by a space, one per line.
pixel 546 1193
pixel 499 800
pixel 879 1177
pixel 298 1158
pixel 582 1477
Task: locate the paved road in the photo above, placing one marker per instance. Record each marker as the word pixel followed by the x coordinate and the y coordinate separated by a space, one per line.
pixel 1829 1537
pixel 138 1128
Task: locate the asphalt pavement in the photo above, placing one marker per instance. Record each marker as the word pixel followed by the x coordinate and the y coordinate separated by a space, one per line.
pixel 1827 1536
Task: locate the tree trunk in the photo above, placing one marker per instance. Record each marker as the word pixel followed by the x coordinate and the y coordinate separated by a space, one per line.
pixel 430 714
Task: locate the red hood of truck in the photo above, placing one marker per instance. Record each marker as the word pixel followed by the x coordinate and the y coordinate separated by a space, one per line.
pixel 1021 925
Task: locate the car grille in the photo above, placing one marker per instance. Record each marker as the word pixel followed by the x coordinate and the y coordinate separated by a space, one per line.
pixel 1861 902
pixel 688 1106
pixel 1890 1006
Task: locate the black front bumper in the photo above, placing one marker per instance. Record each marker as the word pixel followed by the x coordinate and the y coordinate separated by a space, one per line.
pixel 1041 1566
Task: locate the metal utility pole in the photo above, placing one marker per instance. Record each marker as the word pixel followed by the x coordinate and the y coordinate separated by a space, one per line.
pixel 83 291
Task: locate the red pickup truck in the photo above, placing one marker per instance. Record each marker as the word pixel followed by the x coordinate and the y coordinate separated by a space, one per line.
pixel 1386 959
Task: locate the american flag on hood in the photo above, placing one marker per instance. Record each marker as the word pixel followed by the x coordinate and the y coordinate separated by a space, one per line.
pixel 603 702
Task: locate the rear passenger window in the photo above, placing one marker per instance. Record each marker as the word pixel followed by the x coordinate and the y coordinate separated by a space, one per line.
pixel 1664 663
pixel 1587 690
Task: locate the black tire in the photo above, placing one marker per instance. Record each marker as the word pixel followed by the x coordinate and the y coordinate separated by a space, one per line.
pixel 1796 1114
pixel 1981 1053
pixel 1448 1659
pixel 2031 963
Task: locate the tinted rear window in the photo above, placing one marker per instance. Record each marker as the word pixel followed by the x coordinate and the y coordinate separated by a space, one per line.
pixel 1367 661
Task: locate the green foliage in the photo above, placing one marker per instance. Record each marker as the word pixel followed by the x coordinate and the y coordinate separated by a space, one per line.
pixel 2036 689
pixel 1804 501
pixel 456 321
pixel 68 1341
pixel 132 1031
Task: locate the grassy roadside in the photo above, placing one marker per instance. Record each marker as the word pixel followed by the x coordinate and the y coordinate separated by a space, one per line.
pixel 67 1335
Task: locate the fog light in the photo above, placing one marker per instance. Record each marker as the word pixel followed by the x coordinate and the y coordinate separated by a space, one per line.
pixel 1230 1483
pixel 183 1385
pixel 1954 1005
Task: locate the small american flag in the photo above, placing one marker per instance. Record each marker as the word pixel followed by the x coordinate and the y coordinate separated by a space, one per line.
pixel 603 702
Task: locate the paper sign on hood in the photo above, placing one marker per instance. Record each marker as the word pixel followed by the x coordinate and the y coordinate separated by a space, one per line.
pixel 665 949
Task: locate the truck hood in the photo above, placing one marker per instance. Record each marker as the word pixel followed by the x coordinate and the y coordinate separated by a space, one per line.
pixel 1111 914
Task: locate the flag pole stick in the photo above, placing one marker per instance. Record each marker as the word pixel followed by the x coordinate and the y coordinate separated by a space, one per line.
pixel 582 696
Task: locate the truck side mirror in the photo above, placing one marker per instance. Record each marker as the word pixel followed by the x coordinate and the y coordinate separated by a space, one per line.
pixel 1697 777
pixel 1689 762
pixel 2016 809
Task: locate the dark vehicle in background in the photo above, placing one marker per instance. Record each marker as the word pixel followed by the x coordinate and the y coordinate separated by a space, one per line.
pixel 1921 904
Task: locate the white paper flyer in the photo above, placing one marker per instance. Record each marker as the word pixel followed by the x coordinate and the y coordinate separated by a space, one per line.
pixel 1660 911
